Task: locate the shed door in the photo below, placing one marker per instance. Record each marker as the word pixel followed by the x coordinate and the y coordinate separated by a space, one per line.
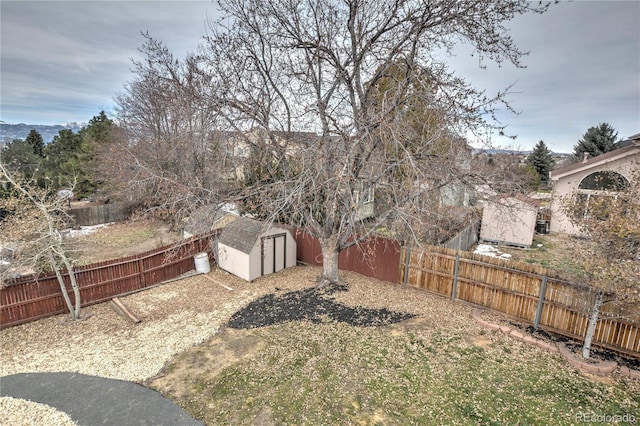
pixel 274 253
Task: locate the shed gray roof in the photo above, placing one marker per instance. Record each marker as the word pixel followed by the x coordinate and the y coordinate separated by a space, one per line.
pixel 242 233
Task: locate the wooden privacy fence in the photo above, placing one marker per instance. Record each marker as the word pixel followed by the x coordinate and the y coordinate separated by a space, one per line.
pixel 376 258
pixel 528 293
pixel 525 292
pixel 33 297
pixel 104 213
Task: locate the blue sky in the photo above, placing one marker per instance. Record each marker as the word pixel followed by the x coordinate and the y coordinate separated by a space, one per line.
pixel 64 61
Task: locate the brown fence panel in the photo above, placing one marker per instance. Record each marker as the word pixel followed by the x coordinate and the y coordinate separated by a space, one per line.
pixel 514 289
pixel 430 271
pixel 31 297
pixel 376 258
pixel 307 248
pixel 104 213
pixel 503 289
pixel 618 334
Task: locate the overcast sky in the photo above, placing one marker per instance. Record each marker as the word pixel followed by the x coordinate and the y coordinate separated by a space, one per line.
pixel 65 61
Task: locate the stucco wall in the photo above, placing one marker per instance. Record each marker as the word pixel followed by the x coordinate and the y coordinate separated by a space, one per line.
pixel 567 183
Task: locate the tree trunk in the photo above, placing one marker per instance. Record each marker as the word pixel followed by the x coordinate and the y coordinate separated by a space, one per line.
pixel 63 288
pixel 76 290
pixel 591 329
pixel 330 255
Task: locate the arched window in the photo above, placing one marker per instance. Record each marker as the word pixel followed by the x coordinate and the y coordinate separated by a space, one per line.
pixel 598 190
pixel 604 181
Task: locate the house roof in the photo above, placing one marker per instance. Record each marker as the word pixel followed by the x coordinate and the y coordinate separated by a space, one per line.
pixel 527 200
pixel 242 234
pixel 596 161
pixel 205 217
pixel 503 199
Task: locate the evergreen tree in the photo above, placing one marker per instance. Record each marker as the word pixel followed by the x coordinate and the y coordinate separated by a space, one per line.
pixel 37 143
pixel 541 160
pixel 18 157
pixel 71 157
pixel 94 138
pixel 61 164
pixel 596 141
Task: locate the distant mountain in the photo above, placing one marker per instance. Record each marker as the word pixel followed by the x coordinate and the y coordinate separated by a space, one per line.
pixel 500 151
pixel 9 132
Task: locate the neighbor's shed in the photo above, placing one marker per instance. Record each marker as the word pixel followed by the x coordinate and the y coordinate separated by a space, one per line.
pixel 509 220
pixel 250 249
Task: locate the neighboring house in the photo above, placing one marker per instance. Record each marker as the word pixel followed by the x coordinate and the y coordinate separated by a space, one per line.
pixel 250 249
pixel 509 220
pixel 208 218
pixel 603 175
pixel 241 145
pixel 365 199
pixel 457 194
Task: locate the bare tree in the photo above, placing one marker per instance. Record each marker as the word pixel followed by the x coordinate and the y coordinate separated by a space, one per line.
pixel 167 158
pixel 610 218
pixel 356 72
pixel 33 222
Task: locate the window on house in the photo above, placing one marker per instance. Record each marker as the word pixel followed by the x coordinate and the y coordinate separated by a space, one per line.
pixel 598 190
pixel 368 192
pixel 604 181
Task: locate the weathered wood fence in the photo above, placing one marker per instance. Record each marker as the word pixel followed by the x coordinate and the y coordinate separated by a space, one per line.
pixel 104 213
pixel 33 297
pixel 464 239
pixel 376 258
pixel 530 294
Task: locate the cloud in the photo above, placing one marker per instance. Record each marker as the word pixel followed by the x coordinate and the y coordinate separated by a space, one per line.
pixel 66 60
pixel 582 69
pixel 71 57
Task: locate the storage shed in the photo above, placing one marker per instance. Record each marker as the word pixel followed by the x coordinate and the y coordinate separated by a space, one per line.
pixel 510 220
pixel 250 249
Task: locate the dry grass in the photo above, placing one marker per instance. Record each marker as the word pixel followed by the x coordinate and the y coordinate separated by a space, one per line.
pixel 553 251
pixel 121 239
pixel 439 367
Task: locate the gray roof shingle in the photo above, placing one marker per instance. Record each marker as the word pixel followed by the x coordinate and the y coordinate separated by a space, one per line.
pixel 241 234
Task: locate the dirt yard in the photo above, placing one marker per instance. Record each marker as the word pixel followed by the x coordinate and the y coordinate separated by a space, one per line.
pixel 95 244
pixel 273 352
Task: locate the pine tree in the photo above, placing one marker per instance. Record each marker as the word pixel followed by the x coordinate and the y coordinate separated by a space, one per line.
pixel 596 141
pixel 37 143
pixel 541 160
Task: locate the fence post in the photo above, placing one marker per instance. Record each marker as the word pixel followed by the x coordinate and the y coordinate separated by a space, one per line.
pixel 543 291
pixel 406 265
pixel 141 272
pixel 456 269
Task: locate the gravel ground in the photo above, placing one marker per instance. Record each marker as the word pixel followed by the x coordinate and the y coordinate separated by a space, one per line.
pixel 15 412
pixel 175 316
